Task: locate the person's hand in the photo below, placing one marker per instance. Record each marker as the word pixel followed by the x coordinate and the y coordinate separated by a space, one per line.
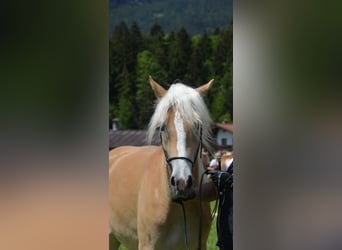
pixel 221 179
pixel 212 169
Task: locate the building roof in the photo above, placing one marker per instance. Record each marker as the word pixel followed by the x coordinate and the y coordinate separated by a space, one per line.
pixel 225 126
pixel 119 137
pixel 130 138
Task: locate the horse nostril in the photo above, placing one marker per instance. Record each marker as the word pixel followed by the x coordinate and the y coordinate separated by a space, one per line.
pixel 190 181
pixel 173 181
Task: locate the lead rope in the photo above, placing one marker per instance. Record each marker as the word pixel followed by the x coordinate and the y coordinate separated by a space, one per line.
pixel 185 225
pixel 200 210
pixel 218 195
pixel 200 218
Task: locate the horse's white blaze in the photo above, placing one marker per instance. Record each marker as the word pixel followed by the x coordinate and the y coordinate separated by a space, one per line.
pixel 181 168
pixel 181 136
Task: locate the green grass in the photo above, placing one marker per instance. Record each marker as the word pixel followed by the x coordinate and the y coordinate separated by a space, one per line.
pixel 122 248
pixel 211 243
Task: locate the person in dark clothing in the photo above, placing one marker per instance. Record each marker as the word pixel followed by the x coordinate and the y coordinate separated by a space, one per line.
pixel 221 187
pixel 224 183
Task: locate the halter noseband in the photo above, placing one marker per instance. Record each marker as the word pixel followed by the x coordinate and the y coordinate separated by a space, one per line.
pixel 170 159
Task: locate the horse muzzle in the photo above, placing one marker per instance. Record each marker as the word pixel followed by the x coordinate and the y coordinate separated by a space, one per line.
pixel 181 189
pixel 182 195
pixel 181 184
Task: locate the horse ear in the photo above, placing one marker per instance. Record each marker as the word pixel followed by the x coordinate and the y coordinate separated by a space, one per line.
pixel 205 87
pixel 158 90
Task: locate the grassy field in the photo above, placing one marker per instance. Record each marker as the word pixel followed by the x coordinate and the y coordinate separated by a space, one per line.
pixel 211 243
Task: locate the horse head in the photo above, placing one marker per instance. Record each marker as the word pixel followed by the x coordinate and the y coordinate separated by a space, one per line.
pixel 183 122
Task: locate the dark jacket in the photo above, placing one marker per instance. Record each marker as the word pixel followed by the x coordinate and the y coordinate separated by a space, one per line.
pixel 224 224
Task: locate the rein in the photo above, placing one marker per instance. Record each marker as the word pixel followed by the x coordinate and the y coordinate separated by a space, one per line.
pixel 200 209
pixel 180 202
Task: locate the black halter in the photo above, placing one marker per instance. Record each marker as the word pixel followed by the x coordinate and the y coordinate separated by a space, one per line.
pixel 170 159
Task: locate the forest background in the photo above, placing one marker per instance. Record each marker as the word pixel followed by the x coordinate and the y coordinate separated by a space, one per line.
pixel 192 59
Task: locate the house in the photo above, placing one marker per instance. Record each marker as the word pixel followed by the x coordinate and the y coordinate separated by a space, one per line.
pixel 223 132
pixel 119 138
pixel 129 137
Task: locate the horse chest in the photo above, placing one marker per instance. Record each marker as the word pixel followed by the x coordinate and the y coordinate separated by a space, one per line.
pixel 172 232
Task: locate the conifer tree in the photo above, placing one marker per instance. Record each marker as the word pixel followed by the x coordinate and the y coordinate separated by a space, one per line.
pixel 157 31
pixel 221 96
pixel 126 107
pixel 179 55
pixel 136 44
pixel 117 59
pixel 125 45
pixel 147 65
pixel 199 66
pixel 158 46
pixel 223 49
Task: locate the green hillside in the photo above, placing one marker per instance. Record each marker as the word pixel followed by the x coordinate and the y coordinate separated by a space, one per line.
pixel 195 15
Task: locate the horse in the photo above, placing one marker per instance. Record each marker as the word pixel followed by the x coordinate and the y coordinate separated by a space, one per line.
pixel 146 183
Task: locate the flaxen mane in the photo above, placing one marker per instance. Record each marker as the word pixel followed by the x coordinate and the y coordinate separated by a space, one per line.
pixel 191 107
